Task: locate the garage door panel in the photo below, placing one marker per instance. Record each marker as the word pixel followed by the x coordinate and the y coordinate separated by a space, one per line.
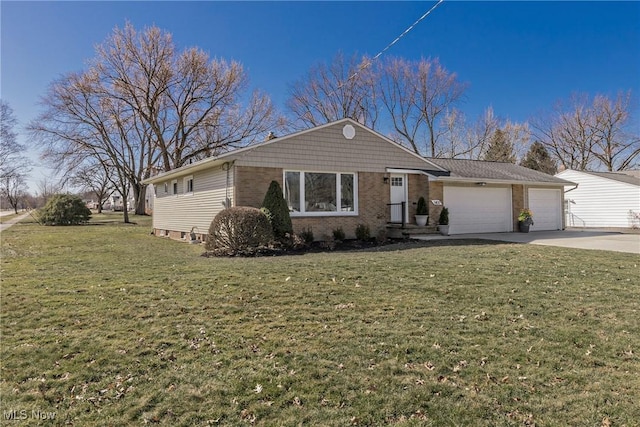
pixel 546 205
pixel 478 210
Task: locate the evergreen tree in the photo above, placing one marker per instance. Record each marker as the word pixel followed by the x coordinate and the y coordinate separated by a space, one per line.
pixel 538 159
pixel 278 211
pixel 500 149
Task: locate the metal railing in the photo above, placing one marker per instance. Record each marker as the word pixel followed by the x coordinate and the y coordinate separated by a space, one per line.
pixel 571 220
pixel 398 210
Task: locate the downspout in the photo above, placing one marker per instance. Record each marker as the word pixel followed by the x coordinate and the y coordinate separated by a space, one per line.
pixel 568 212
pixel 227 168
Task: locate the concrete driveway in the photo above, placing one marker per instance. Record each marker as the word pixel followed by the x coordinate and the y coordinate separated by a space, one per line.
pixel 599 240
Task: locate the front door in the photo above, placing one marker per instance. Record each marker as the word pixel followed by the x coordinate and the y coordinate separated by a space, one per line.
pixel 398 195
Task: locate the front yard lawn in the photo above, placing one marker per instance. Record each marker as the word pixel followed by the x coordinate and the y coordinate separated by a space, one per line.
pixel 107 325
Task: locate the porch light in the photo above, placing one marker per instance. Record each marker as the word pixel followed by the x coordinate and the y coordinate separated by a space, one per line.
pixel 385 179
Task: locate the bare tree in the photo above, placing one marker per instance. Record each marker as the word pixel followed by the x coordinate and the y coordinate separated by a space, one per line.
pixel 591 134
pixel 94 178
pixel 345 88
pixel 461 140
pixel 416 95
pixel 13 189
pixel 14 165
pixel 46 188
pixel 140 105
pixel 615 147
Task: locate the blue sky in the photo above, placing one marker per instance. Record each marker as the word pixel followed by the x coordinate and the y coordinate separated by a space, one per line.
pixel 518 57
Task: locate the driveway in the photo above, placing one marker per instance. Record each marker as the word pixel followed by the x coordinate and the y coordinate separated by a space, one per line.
pixel 599 240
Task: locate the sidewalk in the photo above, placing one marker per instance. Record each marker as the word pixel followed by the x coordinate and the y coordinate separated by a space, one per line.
pixel 12 221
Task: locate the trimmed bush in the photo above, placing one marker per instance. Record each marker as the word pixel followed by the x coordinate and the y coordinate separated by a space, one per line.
pixel 238 229
pixel 444 217
pixel 64 209
pixel 338 234
pixel 422 208
pixel 276 205
pixel 307 235
pixel 362 232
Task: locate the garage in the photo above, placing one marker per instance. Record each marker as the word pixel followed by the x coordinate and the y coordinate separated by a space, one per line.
pixel 478 209
pixel 546 205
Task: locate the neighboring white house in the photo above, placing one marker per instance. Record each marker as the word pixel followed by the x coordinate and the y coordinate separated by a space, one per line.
pixel 602 199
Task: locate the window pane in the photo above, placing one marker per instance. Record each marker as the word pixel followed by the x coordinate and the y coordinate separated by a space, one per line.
pixel 320 192
pixel 292 190
pixel 346 190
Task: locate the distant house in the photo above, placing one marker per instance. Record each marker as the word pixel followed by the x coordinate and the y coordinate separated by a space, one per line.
pixel 342 174
pixel 602 199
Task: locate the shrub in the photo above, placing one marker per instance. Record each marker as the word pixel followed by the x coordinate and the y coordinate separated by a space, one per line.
pixel 422 209
pixel 444 217
pixel 239 229
pixel 64 209
pixel 362 232
pixel 307 235
pixel 279 216
pixel 338 234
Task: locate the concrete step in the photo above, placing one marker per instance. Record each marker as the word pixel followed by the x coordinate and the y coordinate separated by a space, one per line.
pixel 396 231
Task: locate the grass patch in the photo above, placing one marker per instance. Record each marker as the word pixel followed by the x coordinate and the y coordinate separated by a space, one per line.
pixel 110 325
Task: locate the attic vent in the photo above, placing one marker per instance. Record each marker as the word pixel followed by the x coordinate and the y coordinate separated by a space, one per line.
pixel 348 131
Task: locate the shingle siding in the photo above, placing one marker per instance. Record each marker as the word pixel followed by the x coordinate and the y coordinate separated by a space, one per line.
pixel 326 149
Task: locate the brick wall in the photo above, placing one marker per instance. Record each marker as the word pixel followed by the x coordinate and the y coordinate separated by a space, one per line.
pixel 517 202
pixel 436 192
pixel 373 197
pixel 418 187
pixel 252 183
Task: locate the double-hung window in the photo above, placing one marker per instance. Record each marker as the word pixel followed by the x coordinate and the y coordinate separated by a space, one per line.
pixel 321 193
pixel 188 184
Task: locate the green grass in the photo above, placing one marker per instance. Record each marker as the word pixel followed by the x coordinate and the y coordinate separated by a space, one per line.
pixel 107 325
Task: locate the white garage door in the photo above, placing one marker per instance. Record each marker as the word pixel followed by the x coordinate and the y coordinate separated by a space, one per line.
pixel 546 206
pixel 478 209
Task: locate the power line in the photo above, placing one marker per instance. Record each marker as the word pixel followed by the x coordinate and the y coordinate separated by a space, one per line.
pixel 407 30
pixel 369 63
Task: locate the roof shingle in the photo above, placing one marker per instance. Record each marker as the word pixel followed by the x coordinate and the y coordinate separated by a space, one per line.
pixel 485 170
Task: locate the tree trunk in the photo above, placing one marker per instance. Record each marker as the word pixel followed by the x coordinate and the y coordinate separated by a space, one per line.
pixel 139 194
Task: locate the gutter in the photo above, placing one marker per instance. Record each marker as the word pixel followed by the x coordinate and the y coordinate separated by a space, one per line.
pixel 483 181
pixel 571 189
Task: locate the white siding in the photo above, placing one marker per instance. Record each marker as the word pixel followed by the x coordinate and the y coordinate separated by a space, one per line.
pixel 197 209
pixel 600 202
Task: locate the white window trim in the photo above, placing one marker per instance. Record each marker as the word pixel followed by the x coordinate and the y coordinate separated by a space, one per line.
pixel 166 188
pixel 338 212
pixel 185 187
